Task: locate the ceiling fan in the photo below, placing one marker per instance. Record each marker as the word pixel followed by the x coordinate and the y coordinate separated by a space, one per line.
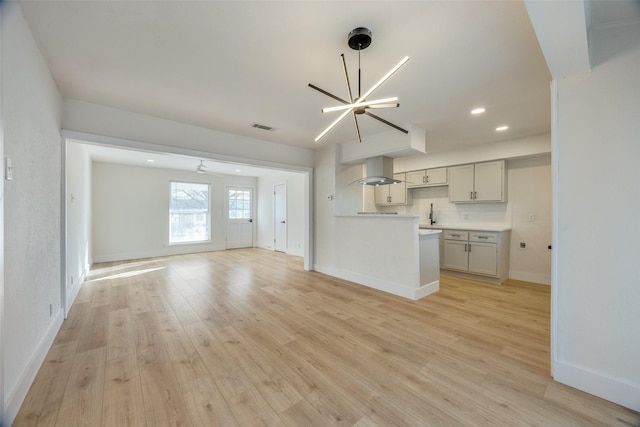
pixel 359 39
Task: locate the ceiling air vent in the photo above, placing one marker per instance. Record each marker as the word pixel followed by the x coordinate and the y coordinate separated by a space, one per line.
pixel 263 127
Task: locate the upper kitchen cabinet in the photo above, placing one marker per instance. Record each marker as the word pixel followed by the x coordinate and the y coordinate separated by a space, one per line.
pixel 427 178
pixel 479 182
pixel 393 194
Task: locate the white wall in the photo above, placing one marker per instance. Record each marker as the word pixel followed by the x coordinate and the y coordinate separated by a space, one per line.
pixel 78 218
pixel 295 185
pixel 596 313
pixel 95 119
pixel 130 211
pixel 31 116
pixel 529 193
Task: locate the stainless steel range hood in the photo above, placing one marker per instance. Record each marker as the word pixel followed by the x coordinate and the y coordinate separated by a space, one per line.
pixel 379 172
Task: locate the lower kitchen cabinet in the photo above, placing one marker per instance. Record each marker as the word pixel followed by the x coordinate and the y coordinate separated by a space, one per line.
pixel 483 253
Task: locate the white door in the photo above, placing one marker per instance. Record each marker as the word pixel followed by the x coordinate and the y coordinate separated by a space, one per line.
pixel 280 217
pixel 239 217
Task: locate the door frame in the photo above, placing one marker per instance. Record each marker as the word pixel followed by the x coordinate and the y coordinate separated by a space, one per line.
pixel 225 212
pixel 275 223
pixel 307 171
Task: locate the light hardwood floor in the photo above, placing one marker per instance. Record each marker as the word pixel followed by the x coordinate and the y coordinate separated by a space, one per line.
pixel 247 338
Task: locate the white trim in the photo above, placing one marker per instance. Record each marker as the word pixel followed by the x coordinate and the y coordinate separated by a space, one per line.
pixel 527 276
pixel 381 285
pixel 169 251
pixel 19 393
pixel 286 216
pixel 427 289
pixel 89 138
pixel 72 292
pixel 612 389
pixel 554 226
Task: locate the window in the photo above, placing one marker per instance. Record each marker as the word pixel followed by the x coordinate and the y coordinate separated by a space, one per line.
pixel 190 216
pixel 239 203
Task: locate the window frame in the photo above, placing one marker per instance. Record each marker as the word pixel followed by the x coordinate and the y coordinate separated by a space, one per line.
pixel 207 213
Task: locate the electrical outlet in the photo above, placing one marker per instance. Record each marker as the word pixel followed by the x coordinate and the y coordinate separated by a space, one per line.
pixel 8 169
pixel 523 245
pixel 532 217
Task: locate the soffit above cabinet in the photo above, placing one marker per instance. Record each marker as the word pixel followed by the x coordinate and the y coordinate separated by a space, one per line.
pixel 392 144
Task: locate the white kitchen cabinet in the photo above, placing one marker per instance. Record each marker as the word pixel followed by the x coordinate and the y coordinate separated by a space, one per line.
pixel 427 178
pixel 483 258
pixel 456 256
pixel 484 253
pixel 393 194
pixel 479 182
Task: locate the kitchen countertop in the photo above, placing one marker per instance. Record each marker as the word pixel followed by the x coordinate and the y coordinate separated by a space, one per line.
pixel 425 232
pixel 465 227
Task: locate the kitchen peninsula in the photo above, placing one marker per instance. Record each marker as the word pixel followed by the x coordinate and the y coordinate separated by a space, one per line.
pixel 387 252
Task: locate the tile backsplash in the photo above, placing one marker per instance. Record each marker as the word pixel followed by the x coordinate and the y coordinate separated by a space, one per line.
pixel 447 213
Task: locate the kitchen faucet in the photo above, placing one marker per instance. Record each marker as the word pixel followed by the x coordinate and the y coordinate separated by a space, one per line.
pixel 432 219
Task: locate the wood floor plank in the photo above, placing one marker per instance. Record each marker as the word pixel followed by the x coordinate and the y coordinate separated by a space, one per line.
pixel 82 400
pixel 164 403
pixel 46 393
pixel 247 337
pixel 206 405
pixel 122 402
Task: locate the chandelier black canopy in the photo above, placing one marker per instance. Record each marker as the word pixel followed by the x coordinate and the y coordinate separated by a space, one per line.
pixel 360 39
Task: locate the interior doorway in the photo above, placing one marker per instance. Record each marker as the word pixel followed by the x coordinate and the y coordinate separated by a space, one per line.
pixel 280 217
pixel 239 217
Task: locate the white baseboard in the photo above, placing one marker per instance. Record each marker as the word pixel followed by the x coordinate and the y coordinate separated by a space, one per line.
pixel 381 285
pixel 525 276
pixel 614 390
pixel 171 250
pixel 72 292
pixel 264 246
pixel 16 396
pixel 427 289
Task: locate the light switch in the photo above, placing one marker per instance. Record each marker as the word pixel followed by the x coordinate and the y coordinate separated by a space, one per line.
pixel 8 169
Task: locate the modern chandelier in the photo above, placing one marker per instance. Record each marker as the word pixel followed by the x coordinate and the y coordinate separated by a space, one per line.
pixel 360 39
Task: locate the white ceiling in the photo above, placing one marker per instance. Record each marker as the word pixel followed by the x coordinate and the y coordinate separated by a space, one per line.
pixel 227 64
pixel 100 153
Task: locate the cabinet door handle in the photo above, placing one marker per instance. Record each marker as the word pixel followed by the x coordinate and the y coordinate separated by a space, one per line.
pixel 469 247
pixel 455 235
pixel 465 247
pixel 475 195
pixel 427 179
pixel 483 237
pixel 471 195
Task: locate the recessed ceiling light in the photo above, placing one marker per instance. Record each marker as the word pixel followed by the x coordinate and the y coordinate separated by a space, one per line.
pixel 238 170
pixel 478 110
pixel 501 128
pixel 150 161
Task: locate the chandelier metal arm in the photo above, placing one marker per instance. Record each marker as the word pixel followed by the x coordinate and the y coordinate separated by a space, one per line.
pixel 346 77
pixel 385 122
pixel 330 95
pixel 355 121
